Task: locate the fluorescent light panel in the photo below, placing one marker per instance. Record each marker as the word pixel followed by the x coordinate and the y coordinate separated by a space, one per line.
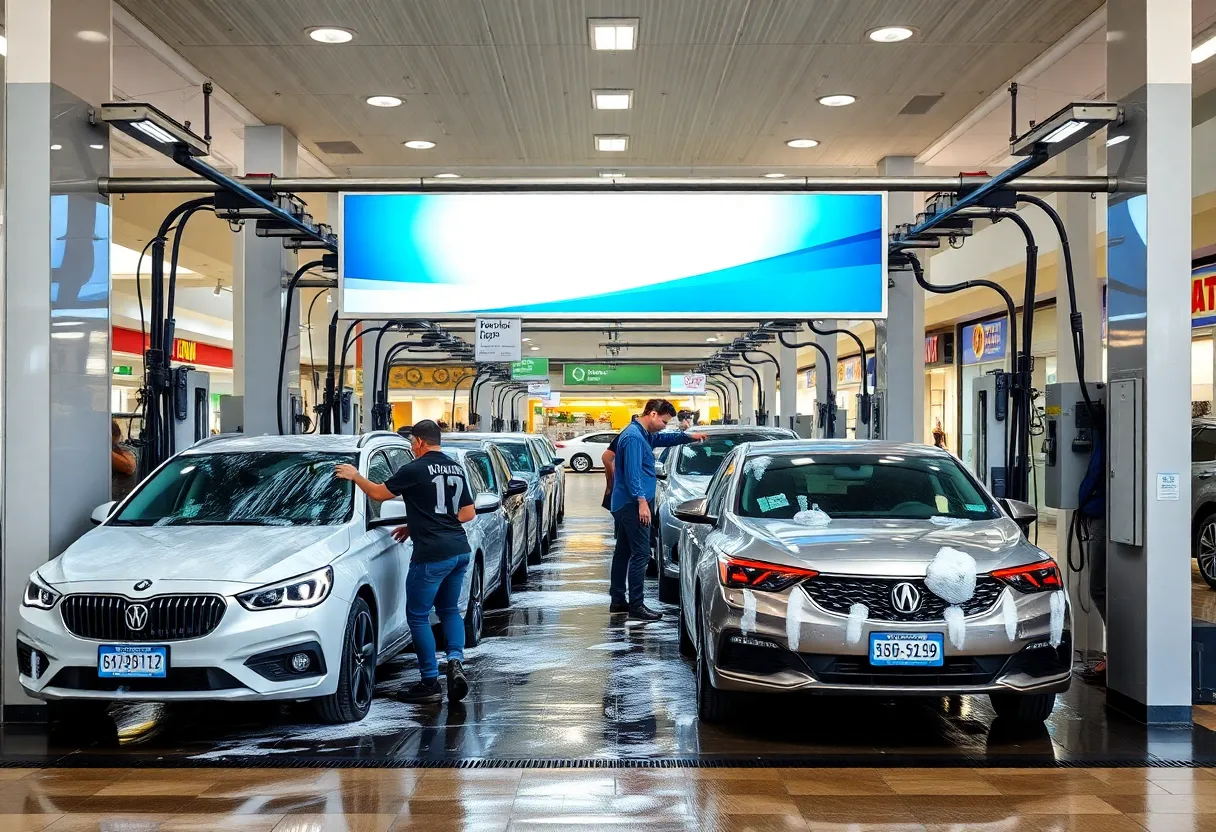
pixel 612 99
pixel 611 144
pixel 1204 50
pixel 154 131
pixel 613 34
pixel 1063 132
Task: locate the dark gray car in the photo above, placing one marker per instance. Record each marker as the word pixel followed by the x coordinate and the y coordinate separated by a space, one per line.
pixel 1203 496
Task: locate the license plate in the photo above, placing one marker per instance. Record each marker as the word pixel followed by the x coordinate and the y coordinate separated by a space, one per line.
pixel 129 661
pixel 923 649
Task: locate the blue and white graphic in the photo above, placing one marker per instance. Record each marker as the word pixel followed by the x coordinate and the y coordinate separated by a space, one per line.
pixel 613 255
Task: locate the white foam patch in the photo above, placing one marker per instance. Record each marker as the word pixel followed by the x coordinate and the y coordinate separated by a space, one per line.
pixel 814 518
pixel 1009 612
pixel 951 576
pixel 612 647
pixel 949 522
pixel 956 626
pixel 688 452
pixel 558 600
pixel 748 622
pixel 858 613
pixel 803 504
pixel 1057 617
pixel 793 617
pixel 756 467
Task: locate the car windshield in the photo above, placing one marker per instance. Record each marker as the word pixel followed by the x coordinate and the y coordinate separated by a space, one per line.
pixel 244 489
pixel 703 458
pixel 518 456
pixel 861 485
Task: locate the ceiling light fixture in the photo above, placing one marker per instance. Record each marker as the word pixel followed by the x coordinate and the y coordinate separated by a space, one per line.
pixel 611 144
pixel 56 147
pixel 612 99
pixel 3 46
pixel 1072 124
pixel 838 100
pixel 890 34
pixel 97 147
pixel 331 34
pixel 613 34
pixel 611 174
pixel 1204 50
pixel 329 297
pixel 92 36
pixel 774 176
pixel 68 336
pixel 153 128
pixel 447 176
pixel 419 144
pixel 219 287
pixel 711 339
pixel 801 144
pixel 536 349
pixel 384 101
pixel 1114 140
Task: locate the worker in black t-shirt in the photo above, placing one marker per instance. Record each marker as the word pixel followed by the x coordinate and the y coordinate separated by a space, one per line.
pixel 437 503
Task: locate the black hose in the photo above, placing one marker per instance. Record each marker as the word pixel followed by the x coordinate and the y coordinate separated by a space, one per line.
pixel 753 377
pixel 346 344
pixel 331 356
pixel 863 417
pixel 455 389
pixel 830 427
pixel 291 289
pixel 312 361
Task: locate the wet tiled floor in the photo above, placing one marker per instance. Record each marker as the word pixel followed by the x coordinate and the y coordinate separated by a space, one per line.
pixel 557 680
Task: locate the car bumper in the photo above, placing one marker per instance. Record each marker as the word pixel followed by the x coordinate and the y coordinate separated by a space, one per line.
pixel 758 657
pixel 216 666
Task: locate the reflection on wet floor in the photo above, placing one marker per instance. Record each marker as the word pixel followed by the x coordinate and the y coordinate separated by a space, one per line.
pixel 557 679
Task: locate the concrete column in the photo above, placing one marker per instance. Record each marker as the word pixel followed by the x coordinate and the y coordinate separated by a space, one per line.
pixel 482 404
pixel 1148 621
pixel 900 363
pixel 258 267
pixel 825 375
pixel 788 356
pixel 768 379
pixel 747 409
pixel 56 347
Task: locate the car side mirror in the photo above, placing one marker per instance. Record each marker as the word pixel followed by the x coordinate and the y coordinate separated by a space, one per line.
pixel 102 513
pixel 660 470
pixel 1022 513
pixel 392 513
pixel 559 461
pixel 547 470
pixel 516 486
pixel 486 503
pixel 695 511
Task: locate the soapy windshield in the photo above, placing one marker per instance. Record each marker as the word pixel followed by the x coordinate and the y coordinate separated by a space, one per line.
pixel 863 486
pixel 703 458
pixel 518 456
pixel 244 489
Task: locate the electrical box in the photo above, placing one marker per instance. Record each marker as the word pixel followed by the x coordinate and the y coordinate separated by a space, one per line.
pixel 348 413
pixel 1125 459
pixel 232 414
pixel 1068 440
pixel 991 417
pixel 804 426
pixel 191 407
pixel 876 414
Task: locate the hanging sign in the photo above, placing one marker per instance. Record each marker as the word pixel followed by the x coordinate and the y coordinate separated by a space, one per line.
pixel 848 370
pixel 554 399
pixel 530 369
pixel 688 384
pixel 539 388
pixel 606 375
pixel 985 342
pixel 122 370
pixel 498 339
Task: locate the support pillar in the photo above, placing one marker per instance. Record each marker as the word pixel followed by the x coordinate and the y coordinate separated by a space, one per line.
pixel 1148 621
pixel 747 408
pixel 259 265
pixel 900 340
pixel 788 357
pixel 56 348
pixel 825 376
pixel 768 379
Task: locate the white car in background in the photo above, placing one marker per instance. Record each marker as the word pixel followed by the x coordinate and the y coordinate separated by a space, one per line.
pixel 242 569
pixel 584 453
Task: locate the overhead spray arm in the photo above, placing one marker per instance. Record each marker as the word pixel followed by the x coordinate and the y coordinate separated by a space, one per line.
pixel 291 288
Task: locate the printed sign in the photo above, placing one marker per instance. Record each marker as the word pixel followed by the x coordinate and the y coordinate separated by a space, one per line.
pixel 985 342
pixel 848 370
pixel 1203 296
pixel 530 369
pixel 689 384
pixel 554 399
pixel 539 388
pixel 810 379
pixel 1168 487
pixel 498 339
pixel 603 375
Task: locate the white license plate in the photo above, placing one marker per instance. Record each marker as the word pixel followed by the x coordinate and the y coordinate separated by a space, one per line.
pixel 923 649
pixel 129 661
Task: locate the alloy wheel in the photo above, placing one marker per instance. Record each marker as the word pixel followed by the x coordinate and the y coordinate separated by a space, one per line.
pixel 363 661
pixel 1206 554
pixel 476 605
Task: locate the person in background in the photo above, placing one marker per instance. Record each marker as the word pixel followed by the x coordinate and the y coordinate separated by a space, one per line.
pixel 939 437
pixel 632 493
pixel 437 504
pixel 686 419
pixel 122 465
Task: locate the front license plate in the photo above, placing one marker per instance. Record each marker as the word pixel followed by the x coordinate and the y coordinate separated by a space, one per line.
pixel 129 661
pixel 923 649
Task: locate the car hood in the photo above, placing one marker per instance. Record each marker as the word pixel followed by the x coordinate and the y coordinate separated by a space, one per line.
pixel 239 554
pixel 891 548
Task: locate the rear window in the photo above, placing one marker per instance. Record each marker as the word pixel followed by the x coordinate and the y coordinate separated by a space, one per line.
pixel 703 458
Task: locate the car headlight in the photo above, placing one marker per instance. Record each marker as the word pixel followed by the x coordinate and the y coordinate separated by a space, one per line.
pixel 303 591
pixel 39 596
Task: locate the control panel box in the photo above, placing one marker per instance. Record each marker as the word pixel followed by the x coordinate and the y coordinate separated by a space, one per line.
pixel 1069 436
pixel 191 407
pixel 991 418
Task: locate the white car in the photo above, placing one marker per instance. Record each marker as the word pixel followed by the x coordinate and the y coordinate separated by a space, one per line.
pixel 242 569
pixel 584 453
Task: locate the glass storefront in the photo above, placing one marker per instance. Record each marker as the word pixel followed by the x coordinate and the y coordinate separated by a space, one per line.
pixel 941 393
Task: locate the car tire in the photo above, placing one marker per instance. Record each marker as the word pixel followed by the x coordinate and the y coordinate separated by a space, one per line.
pixel 553 527
pixel 1203 547
pixel 1023 707
pixel 78 719
pixel 652 564
pixel 357 676
pixel 475 613
pixel 501 599
pixel 713 705
pixel 581 463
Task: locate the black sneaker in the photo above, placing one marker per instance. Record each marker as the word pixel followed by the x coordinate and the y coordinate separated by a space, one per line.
pixel 615 608
pixel 422 693
pixel 458 685
pixel 644 613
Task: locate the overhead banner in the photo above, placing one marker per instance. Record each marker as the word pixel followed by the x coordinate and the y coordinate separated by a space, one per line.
pixel 671 255
pixel 498 339
pixel 608 375
pixel 689 384
pixel 985 342
pixel 530 369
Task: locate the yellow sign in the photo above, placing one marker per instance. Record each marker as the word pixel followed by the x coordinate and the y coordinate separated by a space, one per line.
pixel 441 378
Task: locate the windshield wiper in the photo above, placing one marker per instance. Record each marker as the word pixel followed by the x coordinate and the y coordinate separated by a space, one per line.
pixel 188 521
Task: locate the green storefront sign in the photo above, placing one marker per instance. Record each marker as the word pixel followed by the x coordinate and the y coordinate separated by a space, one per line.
pixel 530 369
pixel 123 370
pixel 604 375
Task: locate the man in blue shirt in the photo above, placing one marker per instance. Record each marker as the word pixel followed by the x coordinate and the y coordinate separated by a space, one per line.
pixel 632 493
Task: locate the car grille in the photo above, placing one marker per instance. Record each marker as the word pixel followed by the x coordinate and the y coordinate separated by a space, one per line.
pixel 837 593
pixel 170 617
pixel 857 670
pixel 178 680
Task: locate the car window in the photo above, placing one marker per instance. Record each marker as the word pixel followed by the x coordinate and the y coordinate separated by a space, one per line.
pixel 502 472
pixel 861 486
pixel 477 479
pixel 518 456
pixel 718 486
pixel 379 469
pixel 702 459
pixel 398 457
pixel 1203 445
pixel 244 489
pixel 482 471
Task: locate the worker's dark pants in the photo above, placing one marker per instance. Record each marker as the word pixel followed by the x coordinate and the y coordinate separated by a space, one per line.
pixel 631 555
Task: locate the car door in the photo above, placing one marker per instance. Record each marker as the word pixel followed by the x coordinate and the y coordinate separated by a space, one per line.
pixel 1203 467
pixel 692 542
pixel 540 460
pixel 390 560
pixel 492 527
pixel 515 505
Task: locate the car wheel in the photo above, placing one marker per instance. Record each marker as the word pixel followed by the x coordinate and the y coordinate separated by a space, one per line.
pixel 1204 547
pixel 713 705
pixel 544 529
pixel 581 463
pixel 501 599
pixel 1023 707
pixel 357 677
pixel 553 527
pixel 475 615
pixel 688 647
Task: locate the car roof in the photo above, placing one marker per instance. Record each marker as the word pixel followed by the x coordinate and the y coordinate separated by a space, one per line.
pixel 710 430
pixel 300 443
pixel 786 447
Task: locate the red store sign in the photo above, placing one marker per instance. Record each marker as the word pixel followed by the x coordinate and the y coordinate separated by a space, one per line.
pixel 184 352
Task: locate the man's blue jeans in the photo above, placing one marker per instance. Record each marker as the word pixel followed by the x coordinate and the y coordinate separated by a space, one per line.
pixel 435 584
pixel 631 555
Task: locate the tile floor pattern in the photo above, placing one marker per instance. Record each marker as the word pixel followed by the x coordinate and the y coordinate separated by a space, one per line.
pixel 664 800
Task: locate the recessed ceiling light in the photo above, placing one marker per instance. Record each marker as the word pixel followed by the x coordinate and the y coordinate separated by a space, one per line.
pixel 1204 50
pixel 890 34
pixel 67 336
pixel 525 339
pixel 609 34
pixel 612 99
pixel 419 144
pixel 611 174
pixel 612 144
pixel 384 101
pixel 97 147
pixel 536 349
pixel 711 339
pixel 92 36
pixel 802 143
pixel 838 100
pixel 447 176
pixel 56 147
pixel 331 34
pixel 774 176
